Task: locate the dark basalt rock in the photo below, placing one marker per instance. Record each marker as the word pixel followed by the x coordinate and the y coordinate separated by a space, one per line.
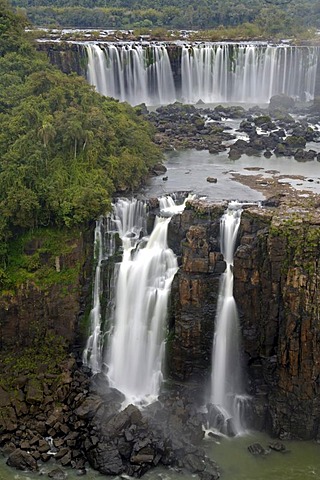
pixel 281 102
pixel 278 447
pixel 22 460
pixel 257 449
pixel 57 474
pixel 106 458
pixel 211 180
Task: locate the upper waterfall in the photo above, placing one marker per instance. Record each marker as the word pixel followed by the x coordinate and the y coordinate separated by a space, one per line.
pixel 163 73
pixel 131 72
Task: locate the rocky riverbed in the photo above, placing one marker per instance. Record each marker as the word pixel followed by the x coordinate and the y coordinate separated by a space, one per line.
pixel 74 419
pixel 282 129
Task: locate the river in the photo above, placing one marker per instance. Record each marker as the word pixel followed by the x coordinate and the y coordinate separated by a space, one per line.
pixel 188 171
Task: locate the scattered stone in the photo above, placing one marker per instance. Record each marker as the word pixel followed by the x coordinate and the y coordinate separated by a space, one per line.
pixel 57 474
pixel 257 449
pixel 278 447
pixel 22 460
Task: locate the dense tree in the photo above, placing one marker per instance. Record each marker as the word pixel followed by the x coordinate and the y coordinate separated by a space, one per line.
pixel 186 14
pixel 64 149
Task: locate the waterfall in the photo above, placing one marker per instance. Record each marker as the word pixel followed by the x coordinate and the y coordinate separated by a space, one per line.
pixel 212 72
pixel 226 380
pixel 246 73
pixel 137 342
pixel 92 354
pixel 131 72
pixel 134 352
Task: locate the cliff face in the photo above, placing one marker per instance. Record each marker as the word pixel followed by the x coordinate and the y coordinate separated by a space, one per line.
pixel 194 237
pixel 276 286
pixel 277 293
pixel 54 293
pixel 67 57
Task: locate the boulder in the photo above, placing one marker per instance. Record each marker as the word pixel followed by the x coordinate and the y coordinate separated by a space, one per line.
pixel 4 398
pixel 57 474
pixel 211 180
pixel 256 449
pixel 106 458
pixel 281 102
pixel 22 460
pixel 88 408
pixel 278 447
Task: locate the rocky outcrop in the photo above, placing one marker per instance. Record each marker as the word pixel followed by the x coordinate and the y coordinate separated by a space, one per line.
pixel 194 236
pixel 185 126
pixel 276 278
pixel 68 57
pixel 56 296
pixel 78 421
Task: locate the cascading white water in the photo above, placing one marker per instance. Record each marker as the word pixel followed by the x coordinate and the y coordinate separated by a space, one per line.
pixel 92 354
pixel 211 72
pixel 137 343
pixel 131 72
pixel 226 380
pixel 247 73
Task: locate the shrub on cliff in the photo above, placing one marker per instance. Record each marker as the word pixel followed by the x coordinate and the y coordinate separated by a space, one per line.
pixel 64 149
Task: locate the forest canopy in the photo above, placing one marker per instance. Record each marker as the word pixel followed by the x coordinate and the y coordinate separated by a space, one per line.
pixel 175 14
pixel 64 149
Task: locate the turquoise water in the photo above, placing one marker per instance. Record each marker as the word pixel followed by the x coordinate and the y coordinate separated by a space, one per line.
pixel 301 462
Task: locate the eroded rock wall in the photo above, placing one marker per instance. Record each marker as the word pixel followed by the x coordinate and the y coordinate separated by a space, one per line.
pixel 38 308
pixel 68 57
pixel 194 236
pixel 276 288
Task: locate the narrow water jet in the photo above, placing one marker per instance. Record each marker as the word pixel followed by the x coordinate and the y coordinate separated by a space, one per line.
pixel 92 354
pixel 227 392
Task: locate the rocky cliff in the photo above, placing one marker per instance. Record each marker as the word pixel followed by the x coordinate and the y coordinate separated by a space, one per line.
pixel 276 286
pixel 68 57
pixel 194 236
pixel 277 293
pixel 50 287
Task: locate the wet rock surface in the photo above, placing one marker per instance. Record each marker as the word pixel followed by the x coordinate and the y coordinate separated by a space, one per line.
pixel 194 237
pixel 276 276
pixel 81 423
pixel 283 129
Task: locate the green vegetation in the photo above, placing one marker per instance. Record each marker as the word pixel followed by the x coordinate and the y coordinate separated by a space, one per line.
pixel 256 17
pixel 44 355
pixel 301 232
pixel 64 149
pixel 35 257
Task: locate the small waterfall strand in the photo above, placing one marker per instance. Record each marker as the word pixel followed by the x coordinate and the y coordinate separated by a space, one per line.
pixel 226 379
pixel 92 354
